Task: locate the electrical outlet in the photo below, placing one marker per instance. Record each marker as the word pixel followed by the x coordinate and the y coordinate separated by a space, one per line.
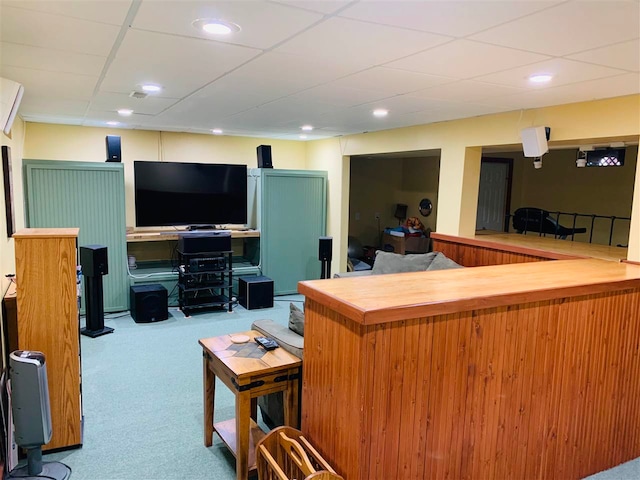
pixel 377 215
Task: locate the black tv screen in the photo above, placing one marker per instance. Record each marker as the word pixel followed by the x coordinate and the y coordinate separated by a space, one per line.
pixel 175 193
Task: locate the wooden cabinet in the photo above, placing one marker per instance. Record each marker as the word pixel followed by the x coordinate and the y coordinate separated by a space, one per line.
pixel 48 321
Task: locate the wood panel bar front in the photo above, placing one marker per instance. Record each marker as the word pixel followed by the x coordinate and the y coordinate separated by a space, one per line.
pixel 497 249
pixel 546 388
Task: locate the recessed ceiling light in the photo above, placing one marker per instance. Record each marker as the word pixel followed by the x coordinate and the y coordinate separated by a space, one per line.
pixel 151 88
pixel 125 112
pixel 540 78
pixel 215 26
pixel 217 131
pixel 380 112
pixel 307 128
pixel 113 124
pixel 303 136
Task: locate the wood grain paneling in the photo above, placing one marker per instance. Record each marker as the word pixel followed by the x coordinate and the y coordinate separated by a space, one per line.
pixel 544 389
pixel 497 249
pixel 48 321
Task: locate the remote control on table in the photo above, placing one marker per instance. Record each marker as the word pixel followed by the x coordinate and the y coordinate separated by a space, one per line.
pixel 267 343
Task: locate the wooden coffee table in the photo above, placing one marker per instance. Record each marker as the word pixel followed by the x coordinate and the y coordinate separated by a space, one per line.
pixel 249 371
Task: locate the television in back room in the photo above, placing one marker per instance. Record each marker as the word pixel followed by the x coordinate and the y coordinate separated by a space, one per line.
pixel 176 193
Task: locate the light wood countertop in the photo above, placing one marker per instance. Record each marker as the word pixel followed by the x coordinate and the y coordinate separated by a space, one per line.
pixel 167 235
pixel 46 232
pixel 547 247
pixel 386 298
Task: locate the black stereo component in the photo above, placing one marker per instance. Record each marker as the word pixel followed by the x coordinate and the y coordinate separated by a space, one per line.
pixel 113 148
pixel 203 264
pixel 190 243
pixel 148 303
pixel 264 156
pixel 325 246
pixel 255 292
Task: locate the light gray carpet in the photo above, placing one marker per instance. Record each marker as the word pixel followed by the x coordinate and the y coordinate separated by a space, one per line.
pixel 142 400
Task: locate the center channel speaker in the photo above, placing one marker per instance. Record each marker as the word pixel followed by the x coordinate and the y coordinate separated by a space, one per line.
pixel 148 303
pixel 264 156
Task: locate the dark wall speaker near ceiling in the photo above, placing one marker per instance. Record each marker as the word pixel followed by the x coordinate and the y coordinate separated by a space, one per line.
pixel 113 148
pixel 148 303
pixel 264 156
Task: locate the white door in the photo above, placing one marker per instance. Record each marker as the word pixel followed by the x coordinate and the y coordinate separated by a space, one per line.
pixel 492 196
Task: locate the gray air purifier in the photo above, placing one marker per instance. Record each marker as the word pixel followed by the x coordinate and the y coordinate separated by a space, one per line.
pixel 32 415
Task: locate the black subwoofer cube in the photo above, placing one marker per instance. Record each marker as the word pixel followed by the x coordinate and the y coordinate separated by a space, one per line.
pixel 255 292
pixel 148 303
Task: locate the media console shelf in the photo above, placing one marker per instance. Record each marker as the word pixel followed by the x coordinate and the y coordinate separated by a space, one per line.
pixel 155 253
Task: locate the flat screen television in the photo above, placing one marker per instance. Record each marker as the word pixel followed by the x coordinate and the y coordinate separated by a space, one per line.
pixel 176 193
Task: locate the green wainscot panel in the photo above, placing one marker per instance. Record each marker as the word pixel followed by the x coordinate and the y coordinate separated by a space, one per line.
pixel 90 196
pixel 293 206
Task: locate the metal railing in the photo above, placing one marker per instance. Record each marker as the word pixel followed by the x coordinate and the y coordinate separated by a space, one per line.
pixel 556 216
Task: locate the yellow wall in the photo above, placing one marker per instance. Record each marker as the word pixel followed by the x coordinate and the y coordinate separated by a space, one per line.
pixel 63 142
pixel 611 119
pixel 458 141
pixel 560 186
pixel 378 184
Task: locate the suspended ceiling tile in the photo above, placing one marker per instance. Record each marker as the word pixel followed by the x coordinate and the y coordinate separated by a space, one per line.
pixel 32 105
pixel 38 29
pixel 569 28
pixel 46 59
pixel 454 18
pixel 626 84
pixel 180 65
pixel 463 59
pixel 371 44
pixel 625 55
pixel 326 7
pixel 563 71
pixel 101 11
pixel 340 96
pixel 52 84
pixel 111 102
pixel 390 81
pixel 262 24
pixel 466 91
pixel 295 72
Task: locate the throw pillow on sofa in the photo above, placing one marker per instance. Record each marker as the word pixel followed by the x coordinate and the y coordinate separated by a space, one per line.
pixel 387 262
pixel 296 319
pixel 442 262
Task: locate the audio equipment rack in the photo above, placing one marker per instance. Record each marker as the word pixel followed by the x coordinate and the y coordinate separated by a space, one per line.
pixel 205 280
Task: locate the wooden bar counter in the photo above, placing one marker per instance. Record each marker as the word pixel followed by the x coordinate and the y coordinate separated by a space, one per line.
pixel 498 248
pixel 521 371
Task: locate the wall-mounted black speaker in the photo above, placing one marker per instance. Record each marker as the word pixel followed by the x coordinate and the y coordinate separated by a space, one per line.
pixel 264 156
pixel 93 259
pixel 113 148
pixel 326 248
pixel 148 303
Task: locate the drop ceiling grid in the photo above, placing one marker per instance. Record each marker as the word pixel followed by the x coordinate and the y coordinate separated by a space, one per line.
pixel 180 65
pixel 452 18
pixel 262 24
pixel 568 28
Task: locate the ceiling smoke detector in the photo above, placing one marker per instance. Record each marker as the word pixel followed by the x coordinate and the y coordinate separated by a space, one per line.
pixel 137 94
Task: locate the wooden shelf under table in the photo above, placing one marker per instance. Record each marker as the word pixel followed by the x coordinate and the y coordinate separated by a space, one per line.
pixel 227 432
